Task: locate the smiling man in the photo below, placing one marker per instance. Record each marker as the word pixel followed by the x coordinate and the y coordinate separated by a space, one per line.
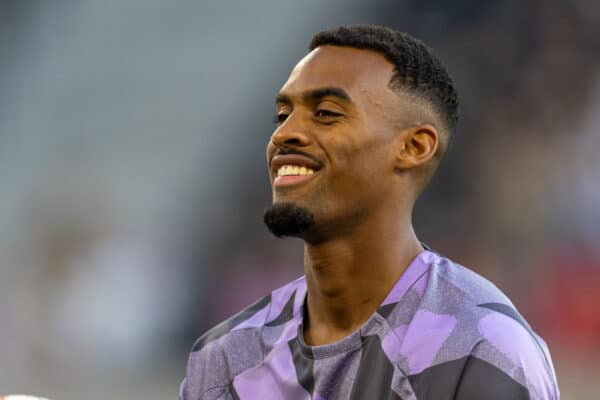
pixel 362 123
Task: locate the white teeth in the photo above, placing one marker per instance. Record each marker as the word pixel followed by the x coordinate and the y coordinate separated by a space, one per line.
pixel 285 170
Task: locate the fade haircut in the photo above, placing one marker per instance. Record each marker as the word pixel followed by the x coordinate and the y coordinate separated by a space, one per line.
pixel 417 70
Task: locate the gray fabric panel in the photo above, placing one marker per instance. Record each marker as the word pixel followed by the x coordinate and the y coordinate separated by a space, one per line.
pixel 375 373
pixel 467 378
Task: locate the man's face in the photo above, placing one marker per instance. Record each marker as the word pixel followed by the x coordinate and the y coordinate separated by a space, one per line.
pixel 331 152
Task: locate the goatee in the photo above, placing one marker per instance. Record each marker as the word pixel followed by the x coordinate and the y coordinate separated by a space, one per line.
pixel 287 219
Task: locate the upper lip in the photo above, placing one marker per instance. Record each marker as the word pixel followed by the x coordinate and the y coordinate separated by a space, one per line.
pixel 293 159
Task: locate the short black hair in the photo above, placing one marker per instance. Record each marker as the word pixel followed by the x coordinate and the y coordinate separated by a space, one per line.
pixel 416 69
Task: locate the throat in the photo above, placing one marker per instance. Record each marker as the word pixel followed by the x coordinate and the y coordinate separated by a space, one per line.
pixel 346 285
pixel 333 325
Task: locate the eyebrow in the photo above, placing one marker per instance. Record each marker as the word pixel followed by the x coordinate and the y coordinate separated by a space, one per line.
pixel 318 94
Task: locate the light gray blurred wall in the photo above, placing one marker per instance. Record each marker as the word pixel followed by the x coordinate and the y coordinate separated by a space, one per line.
pixel 112 113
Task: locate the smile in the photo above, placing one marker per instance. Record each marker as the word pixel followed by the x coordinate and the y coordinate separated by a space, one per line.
pixel 292 174
pixel 292 169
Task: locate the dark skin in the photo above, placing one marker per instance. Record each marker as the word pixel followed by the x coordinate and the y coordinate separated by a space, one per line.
pixel 375 147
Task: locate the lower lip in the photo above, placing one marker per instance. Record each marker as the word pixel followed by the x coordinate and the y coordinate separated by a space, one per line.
pixel 289 180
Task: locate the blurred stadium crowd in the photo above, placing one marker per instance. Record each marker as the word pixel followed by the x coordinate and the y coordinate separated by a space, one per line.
pixel 133 175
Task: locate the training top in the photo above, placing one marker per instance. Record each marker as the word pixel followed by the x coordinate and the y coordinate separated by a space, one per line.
pixel 443 332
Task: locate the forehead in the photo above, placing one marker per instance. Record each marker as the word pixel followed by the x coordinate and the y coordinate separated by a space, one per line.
pixel 357 71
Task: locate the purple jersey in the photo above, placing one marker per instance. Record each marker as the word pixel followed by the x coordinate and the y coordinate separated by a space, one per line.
pixel 443 332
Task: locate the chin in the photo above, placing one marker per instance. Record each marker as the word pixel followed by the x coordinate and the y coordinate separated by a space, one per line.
pixel 288 219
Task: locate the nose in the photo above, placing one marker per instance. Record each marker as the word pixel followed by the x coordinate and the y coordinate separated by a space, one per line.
pixel 290 134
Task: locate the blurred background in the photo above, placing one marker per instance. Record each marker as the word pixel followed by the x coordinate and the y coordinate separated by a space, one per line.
pixel 132 168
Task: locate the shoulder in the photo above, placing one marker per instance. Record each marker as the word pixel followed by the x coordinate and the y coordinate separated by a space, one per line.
pixel 238 343
pixel 509 348
pixel 465 285
pixel 485 338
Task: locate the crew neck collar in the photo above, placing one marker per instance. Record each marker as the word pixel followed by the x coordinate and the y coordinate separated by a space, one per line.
pixel 415 269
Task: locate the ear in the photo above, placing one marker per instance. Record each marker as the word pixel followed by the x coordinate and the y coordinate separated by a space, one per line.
pixel 416 145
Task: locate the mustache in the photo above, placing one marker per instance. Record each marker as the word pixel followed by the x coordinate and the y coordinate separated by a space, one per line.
pixel 285 152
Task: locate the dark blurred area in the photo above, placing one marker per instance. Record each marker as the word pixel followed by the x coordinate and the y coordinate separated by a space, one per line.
pixel 132 162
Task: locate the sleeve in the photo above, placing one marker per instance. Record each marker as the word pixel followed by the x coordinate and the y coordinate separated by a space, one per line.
pixel 510 362
pixel 207 374
pixel 482 380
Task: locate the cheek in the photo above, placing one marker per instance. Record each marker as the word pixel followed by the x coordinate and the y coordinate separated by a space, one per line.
pixel 362 162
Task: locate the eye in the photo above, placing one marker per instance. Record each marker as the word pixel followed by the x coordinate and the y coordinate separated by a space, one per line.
pixel 326 113
pixel 279 118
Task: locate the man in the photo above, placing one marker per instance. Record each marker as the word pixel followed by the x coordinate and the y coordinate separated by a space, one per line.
pixel 362 123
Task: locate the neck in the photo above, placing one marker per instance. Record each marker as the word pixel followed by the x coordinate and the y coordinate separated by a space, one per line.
pixel 349 276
